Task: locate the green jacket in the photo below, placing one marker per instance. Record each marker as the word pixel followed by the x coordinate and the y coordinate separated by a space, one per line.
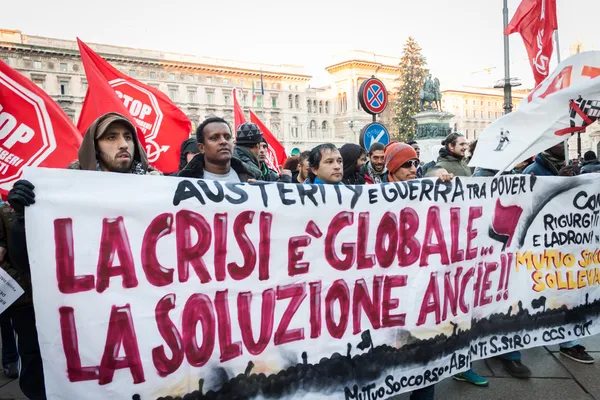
pixel 453 164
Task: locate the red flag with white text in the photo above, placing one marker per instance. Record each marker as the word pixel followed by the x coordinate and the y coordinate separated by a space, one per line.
pixel 238 114
pixel 536 21
pixel 162 127
pixel 34 130
pixel 276 154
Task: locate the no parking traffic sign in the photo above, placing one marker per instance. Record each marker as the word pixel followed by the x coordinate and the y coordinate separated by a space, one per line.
pixel 372 96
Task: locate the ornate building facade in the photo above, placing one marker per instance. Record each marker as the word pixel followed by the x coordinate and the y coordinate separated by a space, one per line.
pixel 474 108
pixel 299 115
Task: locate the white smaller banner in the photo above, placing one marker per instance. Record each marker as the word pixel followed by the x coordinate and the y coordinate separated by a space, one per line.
pixel 546 117
pixel 10 290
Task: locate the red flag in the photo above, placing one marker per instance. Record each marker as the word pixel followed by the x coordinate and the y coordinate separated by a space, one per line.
pixel 276 154
pixel 536 21
pixel 238 114
pixel 162 127
pixel 34 130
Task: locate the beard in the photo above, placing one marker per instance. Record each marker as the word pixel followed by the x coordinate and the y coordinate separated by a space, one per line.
pixel 115 164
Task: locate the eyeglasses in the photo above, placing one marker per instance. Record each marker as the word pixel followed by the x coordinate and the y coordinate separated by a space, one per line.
pixel 410 163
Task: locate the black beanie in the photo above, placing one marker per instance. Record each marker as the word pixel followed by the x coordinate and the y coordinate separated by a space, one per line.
pixel 248 133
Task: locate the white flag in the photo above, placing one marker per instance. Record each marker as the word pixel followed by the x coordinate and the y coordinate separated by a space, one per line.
pixel 565 102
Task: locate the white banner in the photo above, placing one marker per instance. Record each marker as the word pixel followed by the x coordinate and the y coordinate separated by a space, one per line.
pixel 159 286
pixel 545 118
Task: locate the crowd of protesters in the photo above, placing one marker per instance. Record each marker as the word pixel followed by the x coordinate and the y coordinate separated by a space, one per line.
pixel 111 145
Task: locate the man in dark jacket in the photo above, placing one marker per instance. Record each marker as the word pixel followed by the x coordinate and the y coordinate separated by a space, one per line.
pixel 353 157
pixel 549 162
pixel 110 145
pixel 591 164
pixel 215 160
pixel 247 149
pixel 452 155
pixel 301 174
pixel 268 174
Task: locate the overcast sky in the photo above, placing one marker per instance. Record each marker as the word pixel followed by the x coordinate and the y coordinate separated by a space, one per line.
pixel 460 38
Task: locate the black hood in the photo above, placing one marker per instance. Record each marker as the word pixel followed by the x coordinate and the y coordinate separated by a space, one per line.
pixel 188 146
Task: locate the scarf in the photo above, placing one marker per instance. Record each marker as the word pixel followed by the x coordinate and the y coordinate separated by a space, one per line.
pixel 554 163
pixel 376 176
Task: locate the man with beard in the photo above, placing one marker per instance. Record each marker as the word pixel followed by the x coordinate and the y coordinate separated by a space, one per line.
pixel 301 174
pixel 109 145
pixel 215 160
pixel 452 155
pixel 374 170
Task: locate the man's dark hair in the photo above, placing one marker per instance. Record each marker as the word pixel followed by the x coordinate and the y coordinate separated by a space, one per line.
pixel 316 155
pixel 200 129
pixel 376 147
pixel 305 155
pixel 589 156
pixel 451 139
pixel 411 142
pixel 473 146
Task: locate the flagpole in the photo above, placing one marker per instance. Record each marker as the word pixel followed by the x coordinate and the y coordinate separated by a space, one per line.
pixel 557 45
pixel 507 86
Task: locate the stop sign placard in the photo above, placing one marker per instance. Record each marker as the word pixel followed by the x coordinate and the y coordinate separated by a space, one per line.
pixel 26 130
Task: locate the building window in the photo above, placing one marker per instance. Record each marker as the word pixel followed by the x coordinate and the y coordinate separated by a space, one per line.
pixel 209 79
pixel 324 126
pixel 467 134
pixel 466 101
pixel 171 77
pixel 40 81
pixel 294 127
pixel 192 97
pixel 63 87
pixel 308 106
pixel 473 102
pixel 320 107
pixel 132 73
pixel 312 129
pixel 345 102
pixel 326 107
pixel 481 114
pixel 290 101
pixel 63 67
pixel 210 97
pixel 475 134
pixel 297 101
pixel 152 75
pixel 481 102
pixel 489 115
pixel 84 85
pixel 37 64
pixel 466 113
pixel 245 99
pixel 225 81
pixel 173 93
pixel 314 106
pixel 6 60
pixel 274 102
pixel 226 99
pixel 259 101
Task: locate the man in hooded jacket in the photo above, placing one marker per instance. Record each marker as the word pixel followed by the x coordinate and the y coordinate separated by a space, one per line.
pixel 110 145
pixel 189 148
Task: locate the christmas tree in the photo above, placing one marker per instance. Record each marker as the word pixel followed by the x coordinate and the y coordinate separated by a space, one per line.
pixel 406 99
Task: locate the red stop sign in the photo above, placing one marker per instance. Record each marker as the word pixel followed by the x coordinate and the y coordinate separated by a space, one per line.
pixel 26 131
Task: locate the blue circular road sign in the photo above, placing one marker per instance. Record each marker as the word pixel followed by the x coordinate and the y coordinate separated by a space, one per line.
pixel 374 132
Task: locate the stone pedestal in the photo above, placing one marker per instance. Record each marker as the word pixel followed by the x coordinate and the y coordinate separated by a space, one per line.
pixel 432 128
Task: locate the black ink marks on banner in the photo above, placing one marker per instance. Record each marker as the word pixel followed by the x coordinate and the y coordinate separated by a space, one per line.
pixel 504 223
pixel 508 185
pixel 422 190
pixel 187 190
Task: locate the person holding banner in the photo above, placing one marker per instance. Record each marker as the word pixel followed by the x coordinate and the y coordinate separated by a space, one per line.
pixel 110 144
pixel 215 160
